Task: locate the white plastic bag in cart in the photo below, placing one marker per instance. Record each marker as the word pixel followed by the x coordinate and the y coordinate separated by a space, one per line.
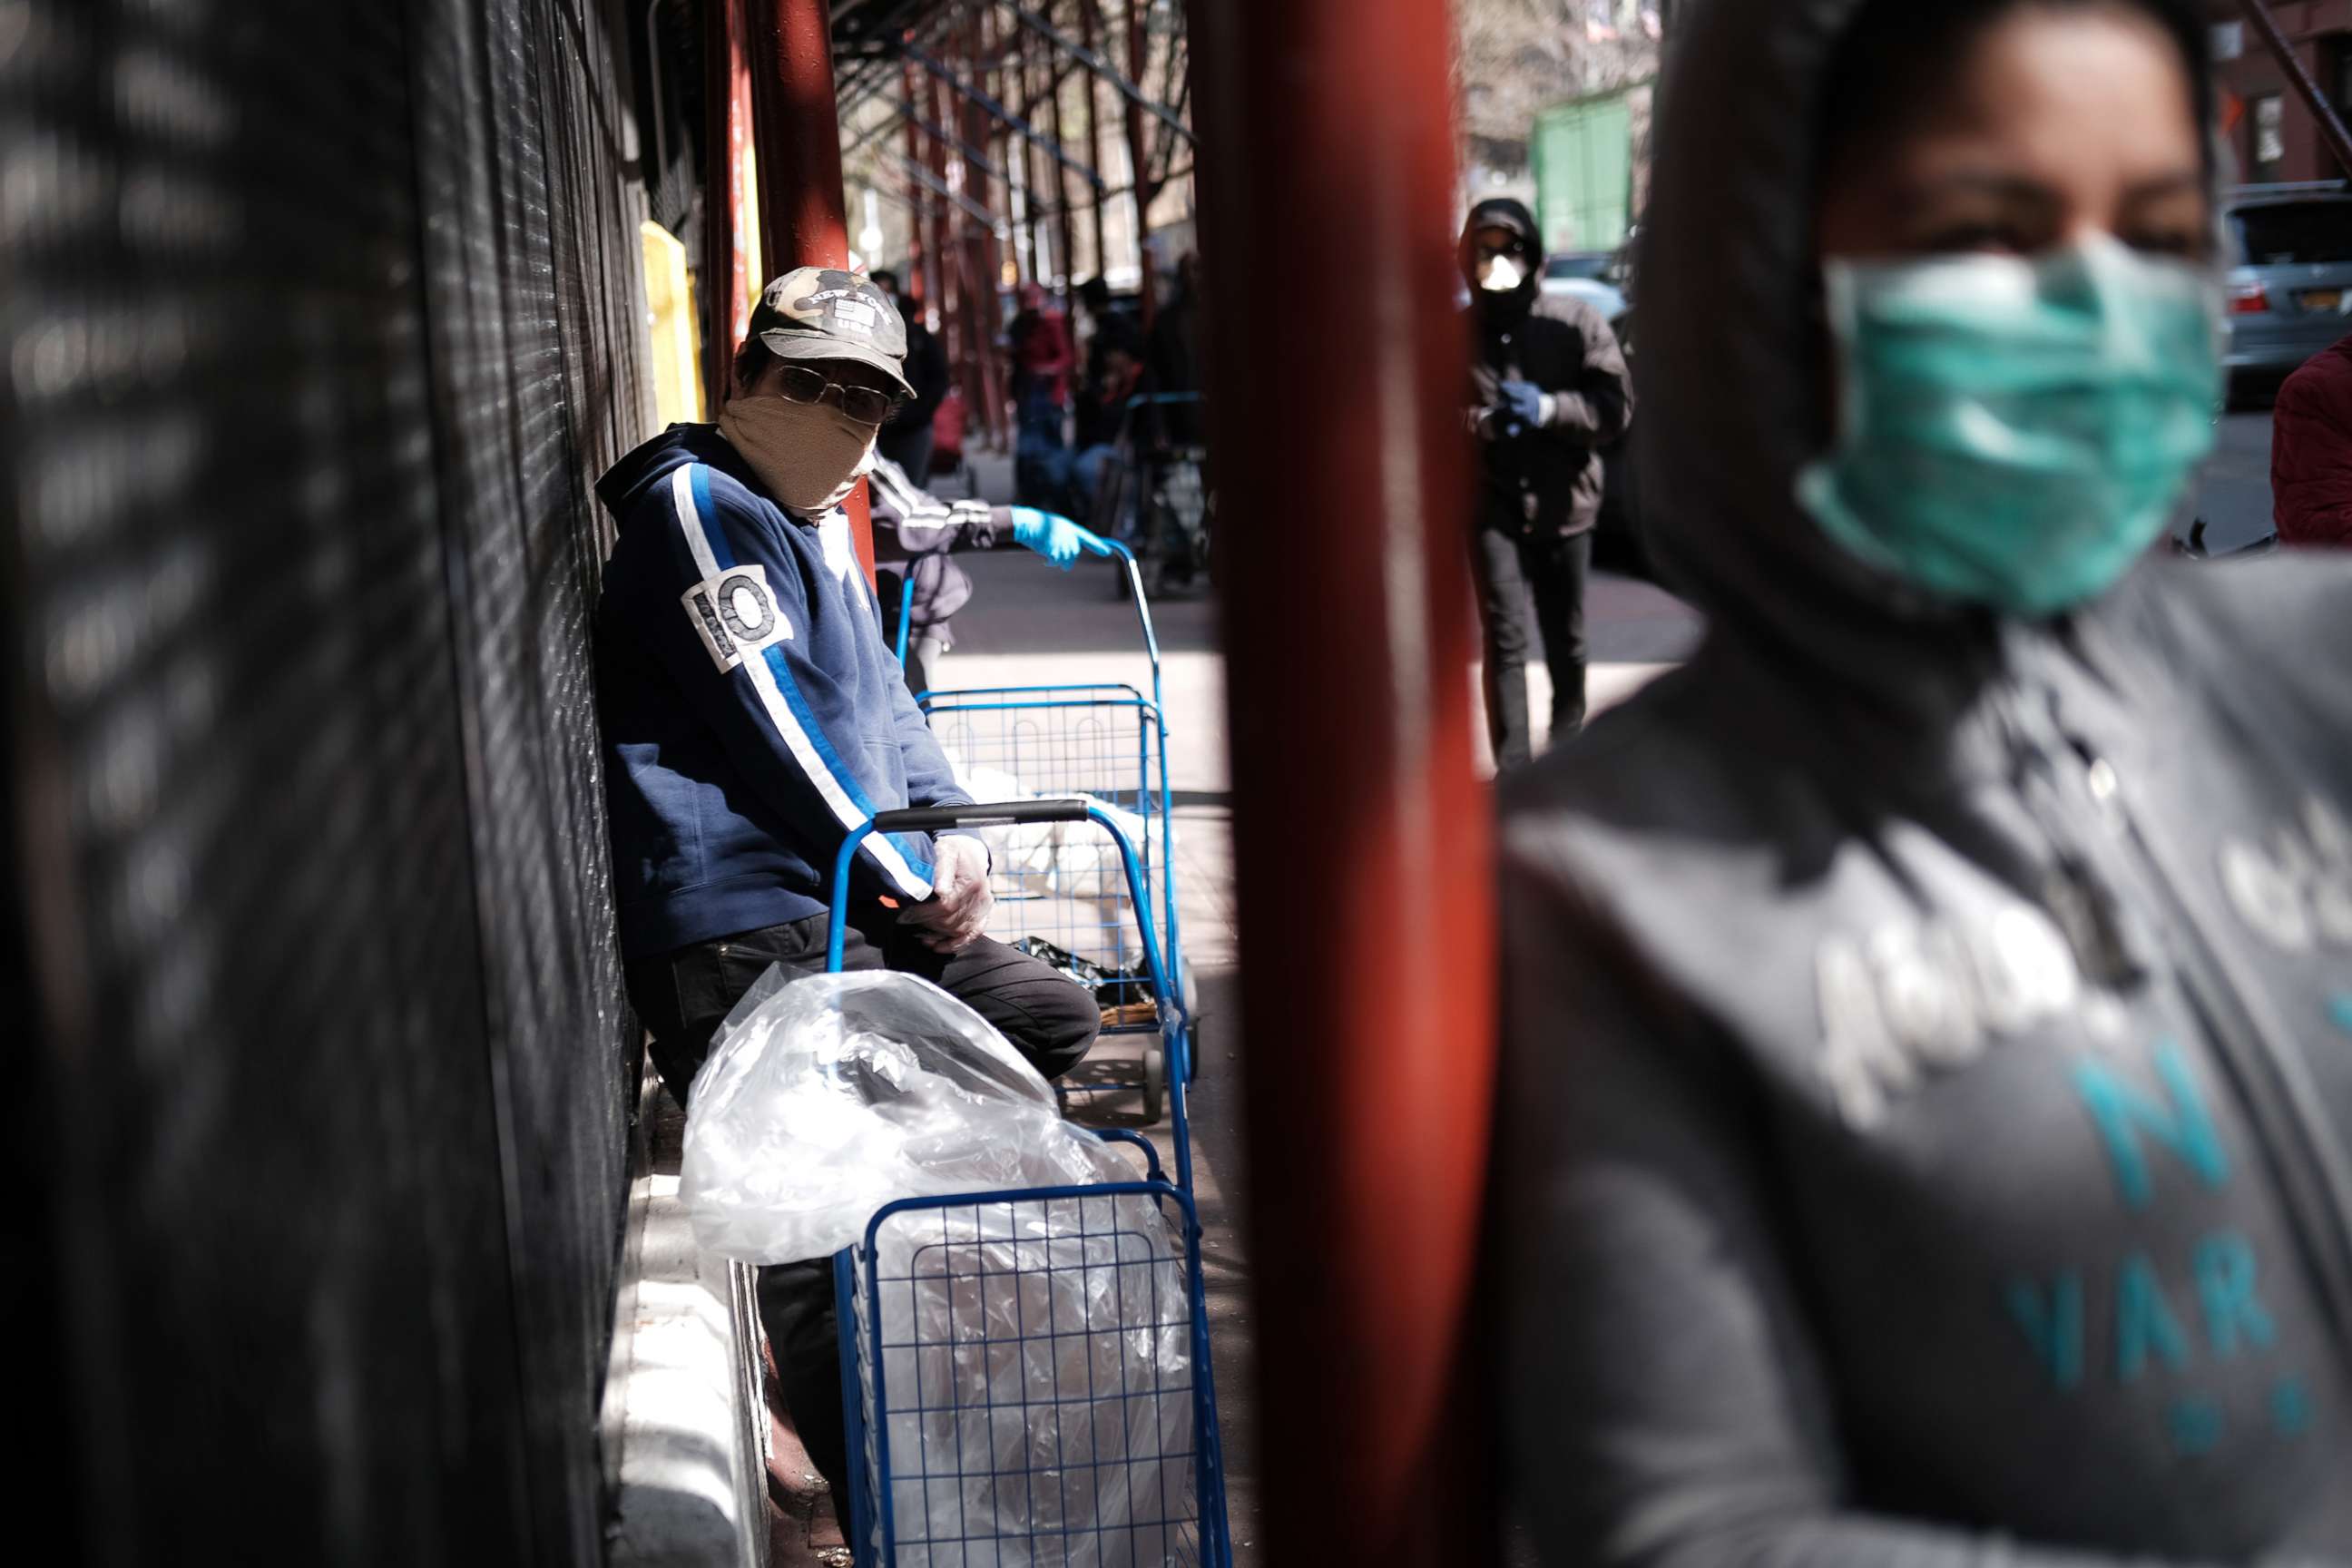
pixel 1037 1386
pixel 1066 859
pixel 826 1097
pixel 1036 1366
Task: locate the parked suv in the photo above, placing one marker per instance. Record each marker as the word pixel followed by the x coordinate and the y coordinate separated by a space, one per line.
pixel 2290 283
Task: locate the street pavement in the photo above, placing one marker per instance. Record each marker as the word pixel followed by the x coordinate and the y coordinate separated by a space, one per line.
pixel 2234 498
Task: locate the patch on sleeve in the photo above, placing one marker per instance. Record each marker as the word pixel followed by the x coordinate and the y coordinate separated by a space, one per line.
pixel 735 615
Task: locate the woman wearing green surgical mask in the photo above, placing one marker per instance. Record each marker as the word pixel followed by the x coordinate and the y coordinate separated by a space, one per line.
pixel 1925 1128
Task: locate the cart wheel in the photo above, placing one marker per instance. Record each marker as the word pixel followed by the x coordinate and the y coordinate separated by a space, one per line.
pixel 1155 1082
pixel 1193 1054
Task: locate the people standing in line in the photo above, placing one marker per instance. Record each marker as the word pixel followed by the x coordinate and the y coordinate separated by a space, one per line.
pixel 1112 375
pixel 1114 354
pixel 1925 1100
pixel 1548 388
pixel 907 436
pixel 753 717
pixel 2311 451
pixel 1037 347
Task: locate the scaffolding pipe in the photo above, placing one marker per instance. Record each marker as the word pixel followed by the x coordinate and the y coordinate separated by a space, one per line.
pixel 1146 292
pixel 1084 55
pixel 1088 21
pixel 997 111
pixel 941 189
pixel 1032 209
pixel 1064 219
pixel 922 264
pixel 804 214
pixel 1328 139
pixel 2331 125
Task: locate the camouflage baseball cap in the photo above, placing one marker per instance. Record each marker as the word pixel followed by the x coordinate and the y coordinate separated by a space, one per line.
pixel 824 312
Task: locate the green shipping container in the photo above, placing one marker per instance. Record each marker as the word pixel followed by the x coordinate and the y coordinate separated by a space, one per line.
pixel 1582 153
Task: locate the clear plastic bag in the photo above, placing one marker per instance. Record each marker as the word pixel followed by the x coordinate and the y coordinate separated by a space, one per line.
pixel 828 1096
pixel 1037 1385
pixel 1035 1354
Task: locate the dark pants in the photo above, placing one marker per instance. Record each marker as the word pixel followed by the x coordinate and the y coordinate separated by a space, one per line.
pixel 1510 569
pixel 683 996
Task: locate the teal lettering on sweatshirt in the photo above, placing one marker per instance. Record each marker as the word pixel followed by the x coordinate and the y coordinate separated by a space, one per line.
pixel 2145 1323
pixel 2197 1426
pixel 2291 1412
pixel 2052 1325
pixel 2235 1315
pixel 2123 1112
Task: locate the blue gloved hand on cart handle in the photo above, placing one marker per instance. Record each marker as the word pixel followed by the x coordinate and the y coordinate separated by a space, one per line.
pixel 1053 536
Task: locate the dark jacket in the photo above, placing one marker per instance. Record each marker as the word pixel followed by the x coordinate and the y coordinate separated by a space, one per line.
pixel 1173 371
pixel 1103 393
pixel 2311 451
pixel 751 716
pixel 926 372
pixel 1926 1122
pixel 1544 479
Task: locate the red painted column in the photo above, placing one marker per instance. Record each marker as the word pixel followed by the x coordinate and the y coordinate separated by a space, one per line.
pixel 1138 163
pixel 803 220
pixel 1361 835
pixel 1086 31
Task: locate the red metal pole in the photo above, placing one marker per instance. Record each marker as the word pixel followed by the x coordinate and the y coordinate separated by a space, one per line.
pixel 1137 65
pixel 1066 218
pixel 1031 199
pixel 984 320
pixel 1094 135
pixel 1328 139
pixel 804 217
pixel 946 225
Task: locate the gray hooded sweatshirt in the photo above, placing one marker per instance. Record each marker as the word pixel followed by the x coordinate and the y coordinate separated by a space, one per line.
pixel 1928 1078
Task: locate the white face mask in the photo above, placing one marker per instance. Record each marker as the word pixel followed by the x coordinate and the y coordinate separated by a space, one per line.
pixel 1503 275
pixel 809 455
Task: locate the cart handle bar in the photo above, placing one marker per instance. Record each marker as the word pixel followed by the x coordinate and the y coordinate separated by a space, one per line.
pixel 950 818
pixel 928 819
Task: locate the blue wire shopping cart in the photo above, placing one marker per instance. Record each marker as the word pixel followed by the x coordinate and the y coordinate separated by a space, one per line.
pixel 1026 1374
pixel 1062 896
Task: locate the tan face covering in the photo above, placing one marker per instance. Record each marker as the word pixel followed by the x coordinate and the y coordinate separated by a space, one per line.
pixel 809 455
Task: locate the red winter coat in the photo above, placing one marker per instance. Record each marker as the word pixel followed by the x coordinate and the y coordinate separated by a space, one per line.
pixel 2311 451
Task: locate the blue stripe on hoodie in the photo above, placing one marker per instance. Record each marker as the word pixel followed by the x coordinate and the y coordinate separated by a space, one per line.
pixel 752 715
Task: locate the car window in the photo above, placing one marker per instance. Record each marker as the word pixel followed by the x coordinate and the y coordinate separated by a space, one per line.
pixel 2292 233
pixel 1576 266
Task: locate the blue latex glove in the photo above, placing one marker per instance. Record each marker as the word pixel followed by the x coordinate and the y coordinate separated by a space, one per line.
pixel 1523 402
pixel 1053 536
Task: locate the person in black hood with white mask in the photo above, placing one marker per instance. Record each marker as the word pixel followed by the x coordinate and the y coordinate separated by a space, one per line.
pixel 1549 387
pixel 1924 1130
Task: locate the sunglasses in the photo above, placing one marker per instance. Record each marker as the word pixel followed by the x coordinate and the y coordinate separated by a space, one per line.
pixel 867 406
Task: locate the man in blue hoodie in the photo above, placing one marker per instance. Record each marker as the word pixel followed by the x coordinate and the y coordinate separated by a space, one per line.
pixel 753 717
